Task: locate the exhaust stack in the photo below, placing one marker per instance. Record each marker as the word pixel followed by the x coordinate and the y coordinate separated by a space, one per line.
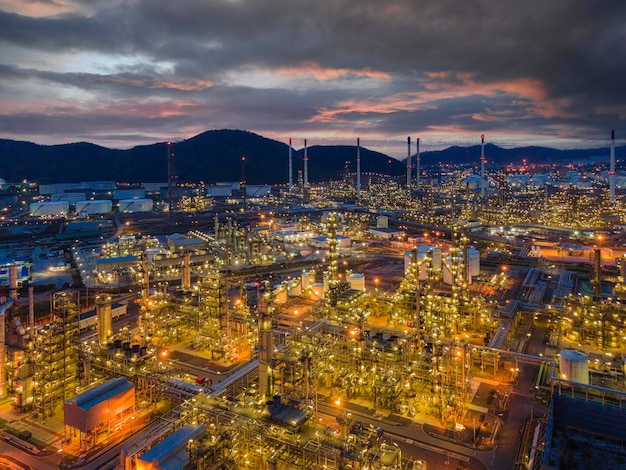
pixel 612 170
pixel 358 168
pixel 306 165
pixel 408 163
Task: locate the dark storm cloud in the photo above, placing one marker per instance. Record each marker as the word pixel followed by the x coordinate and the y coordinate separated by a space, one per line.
pixel 535 66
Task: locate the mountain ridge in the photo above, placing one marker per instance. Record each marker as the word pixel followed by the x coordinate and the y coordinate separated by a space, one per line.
pixel 215 155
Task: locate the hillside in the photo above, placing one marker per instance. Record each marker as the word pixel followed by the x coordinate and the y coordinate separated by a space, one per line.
pixel 216 156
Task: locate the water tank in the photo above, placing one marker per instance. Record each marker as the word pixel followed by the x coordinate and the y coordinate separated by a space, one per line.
pixel 574 366
pixel 356 281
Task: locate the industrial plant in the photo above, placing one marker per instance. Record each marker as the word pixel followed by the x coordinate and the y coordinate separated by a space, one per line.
pixel 464 317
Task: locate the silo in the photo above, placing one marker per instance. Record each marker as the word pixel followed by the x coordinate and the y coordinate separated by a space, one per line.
pixel 356 281
pixel 574 366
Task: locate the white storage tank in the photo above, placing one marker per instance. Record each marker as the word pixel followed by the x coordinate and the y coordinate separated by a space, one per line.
pixel 56 208
pixel 219 191
pixel 574 366
pixel 72 198
pixel 57 188
pixel 317 291
pixel 447 269
pixel 258 190
pixel 421 260
pixel 129 193
pixel 307 278
pixel 473 262
pixel 136 205
pixel 356 281
pixel 295 288
pixel 436 255
pixel 97 206
pixel 280 294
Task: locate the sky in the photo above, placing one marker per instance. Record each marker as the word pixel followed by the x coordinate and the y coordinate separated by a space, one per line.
pixel 120 73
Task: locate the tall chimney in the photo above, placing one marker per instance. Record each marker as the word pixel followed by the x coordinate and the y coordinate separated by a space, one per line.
pixel 358 168
pixel 418 184
pixel 31 305
pixel 482 170
pixel 408 163
pixel 612 170
pixel 266 348
pixel 185 281
pixel 104 318
pixel 13 282
pixel 290 167
pixel 306 165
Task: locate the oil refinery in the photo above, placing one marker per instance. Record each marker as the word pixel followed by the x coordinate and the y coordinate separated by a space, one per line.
pixel 465 317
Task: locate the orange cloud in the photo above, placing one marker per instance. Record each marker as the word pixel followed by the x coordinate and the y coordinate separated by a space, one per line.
pixel 325 73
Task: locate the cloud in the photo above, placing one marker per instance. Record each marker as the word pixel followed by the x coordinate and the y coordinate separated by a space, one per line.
pixel 283 67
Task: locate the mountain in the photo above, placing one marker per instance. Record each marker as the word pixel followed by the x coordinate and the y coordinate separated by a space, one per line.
pixel 216 156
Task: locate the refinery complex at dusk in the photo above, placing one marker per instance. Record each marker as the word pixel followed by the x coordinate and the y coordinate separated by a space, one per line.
pixel 464 316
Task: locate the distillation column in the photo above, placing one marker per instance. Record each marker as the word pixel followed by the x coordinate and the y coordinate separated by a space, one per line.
pixel 306 165
pixel 418 183
pixel 104 318
pixel 266 349
pixel 358 168
pixel 185 282
pixel 333 260
pixel 408 163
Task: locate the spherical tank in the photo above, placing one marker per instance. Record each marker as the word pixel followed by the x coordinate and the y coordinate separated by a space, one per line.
pixel 574 366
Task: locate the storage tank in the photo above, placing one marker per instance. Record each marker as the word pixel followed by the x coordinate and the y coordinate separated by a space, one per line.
pixel 307 278
pixel 317 291
pixel 129 193
pixel 574 366
pixel 295 288
pixel 421 260
pixel 136 205
pixel 473 262
pixel 97 206
pixel 356 281
pixel 219 191
pixel 42 209
pixel 280 294
pixel 258 190
pixel 447 273
pixel 436 254
pixel 72 198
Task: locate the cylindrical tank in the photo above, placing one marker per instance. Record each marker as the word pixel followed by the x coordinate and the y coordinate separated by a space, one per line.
pixel 317 291
pixel 280 295
pixel 307 278
pixel 473 262
pixel 574 366
pixel 295 288
pixel 357 281
pixel 98 206
pixel 436 254
pixel 136 205
pixel 421 260
pixel 104 318
pixel 38 209
pixel 382 221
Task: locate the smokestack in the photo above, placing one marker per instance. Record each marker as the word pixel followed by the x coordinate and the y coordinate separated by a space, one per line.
pixel 482 170
pixel 612 170
pixel 306 165
pixel 290 167
pixel 185 281
pixel 597 272
pixel 31 306
pixel 13 282
pixel 358 168
pixel 104 318
pixel 408 163
pixel 418 184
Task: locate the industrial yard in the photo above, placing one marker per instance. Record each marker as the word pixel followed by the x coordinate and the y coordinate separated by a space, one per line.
pixel 414 324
